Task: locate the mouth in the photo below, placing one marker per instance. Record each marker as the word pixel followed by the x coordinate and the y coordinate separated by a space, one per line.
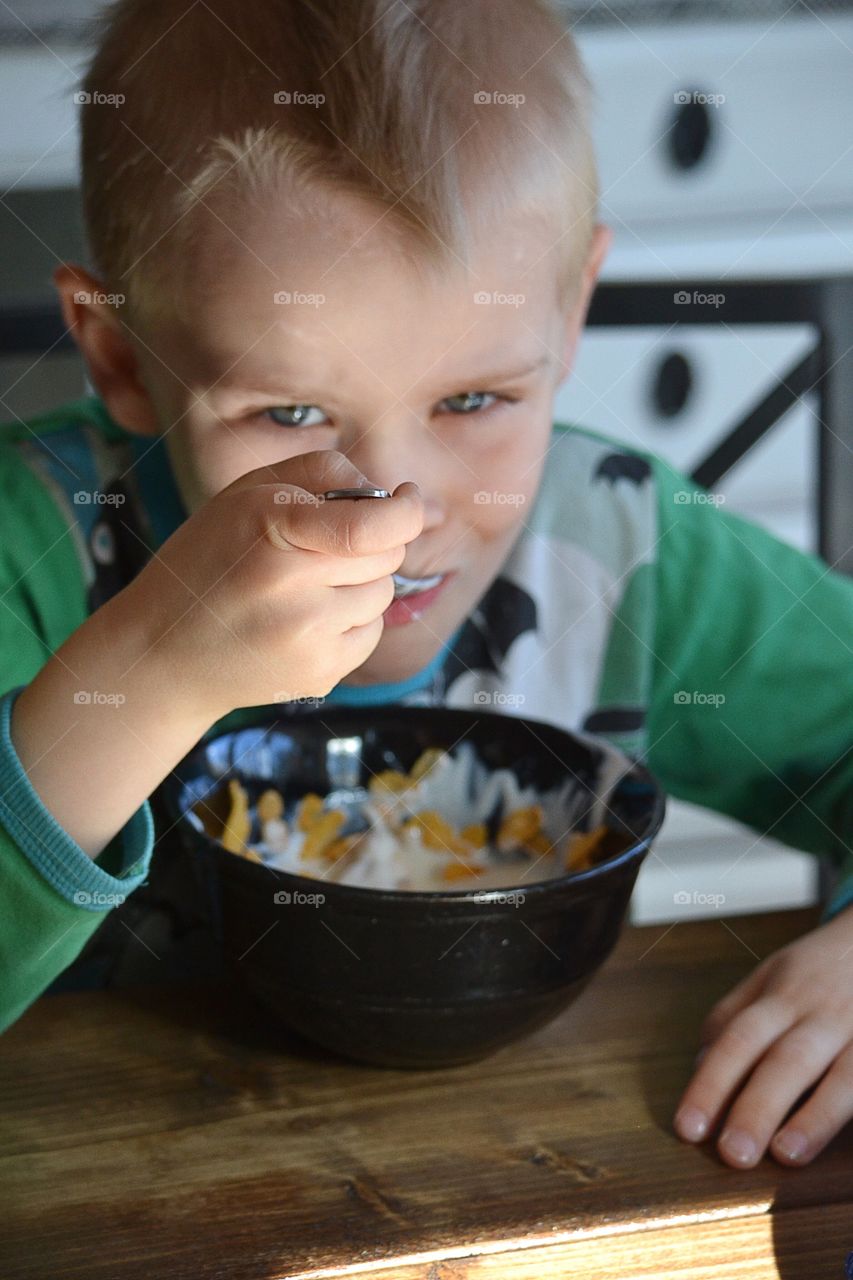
pixel 404 586
pixel 418 595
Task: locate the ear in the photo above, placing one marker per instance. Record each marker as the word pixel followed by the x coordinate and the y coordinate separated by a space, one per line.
pixel 92 315
pixel 602 238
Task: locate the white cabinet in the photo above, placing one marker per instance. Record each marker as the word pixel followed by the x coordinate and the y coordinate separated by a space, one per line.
pixel 613 388
pixel 705 865
pixel 38 116
pixel 779 99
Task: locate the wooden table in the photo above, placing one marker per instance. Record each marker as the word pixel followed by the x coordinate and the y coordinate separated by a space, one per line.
pixel 162 1132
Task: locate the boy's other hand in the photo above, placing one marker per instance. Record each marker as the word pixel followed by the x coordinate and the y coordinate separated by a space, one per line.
pixel 267 592
pixel 787 1027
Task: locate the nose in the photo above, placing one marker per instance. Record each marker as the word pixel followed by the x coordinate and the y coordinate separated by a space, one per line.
pixel 395 450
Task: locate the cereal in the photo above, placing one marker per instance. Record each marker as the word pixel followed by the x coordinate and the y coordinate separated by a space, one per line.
pixel 321 833
pixel 250 854
pixel 539 845
pixel 459 871
pixel 389 780
pixel 425 761
pixel 238 824
pixel 519 827
pixel 213 810
pixel 581 848
pixel 417 831
pixel 436 832
pixel 225 817
pixel 310 808
pixel 270 806
pixel 340 847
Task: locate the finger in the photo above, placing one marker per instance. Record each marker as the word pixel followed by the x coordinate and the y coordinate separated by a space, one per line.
pixel 363 640
pixel 363 604
pixel 825 1113
pixel 352 570
pixel 349 528
pixel 345 571
pixel 726 1064
pixel 792 1064
pixel 739 997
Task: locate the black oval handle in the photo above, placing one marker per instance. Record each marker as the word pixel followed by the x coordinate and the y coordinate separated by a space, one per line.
pixel 672 385
pixel 691 132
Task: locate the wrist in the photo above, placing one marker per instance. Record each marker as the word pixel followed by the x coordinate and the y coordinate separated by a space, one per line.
pixel 144 659
pixel 101 724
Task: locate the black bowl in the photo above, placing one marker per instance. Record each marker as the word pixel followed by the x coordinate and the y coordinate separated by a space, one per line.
pixel 414 979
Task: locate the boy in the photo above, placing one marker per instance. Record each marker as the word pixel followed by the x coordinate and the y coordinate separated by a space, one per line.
pixel 358 248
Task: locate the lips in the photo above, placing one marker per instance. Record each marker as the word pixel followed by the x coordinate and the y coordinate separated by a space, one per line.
pixel 409 607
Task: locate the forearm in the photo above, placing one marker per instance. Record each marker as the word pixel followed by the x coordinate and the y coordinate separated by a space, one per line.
pixel 103 722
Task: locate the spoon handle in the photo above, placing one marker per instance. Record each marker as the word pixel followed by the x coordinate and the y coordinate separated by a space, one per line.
pixel 331 494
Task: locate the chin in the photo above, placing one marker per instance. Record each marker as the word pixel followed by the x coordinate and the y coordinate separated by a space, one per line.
pixel 400 654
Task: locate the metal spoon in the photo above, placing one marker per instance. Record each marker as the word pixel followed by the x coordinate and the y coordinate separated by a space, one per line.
pixel 366 492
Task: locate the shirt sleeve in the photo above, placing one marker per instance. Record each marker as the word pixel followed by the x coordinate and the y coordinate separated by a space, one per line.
pixel 751 709
pixel 52 894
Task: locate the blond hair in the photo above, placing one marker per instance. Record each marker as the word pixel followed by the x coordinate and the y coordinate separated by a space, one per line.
pixel 385 103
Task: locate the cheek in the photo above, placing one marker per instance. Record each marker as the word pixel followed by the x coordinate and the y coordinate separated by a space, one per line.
pixel 208 456
pixel 496 521
pixel 203 465
pixel 503 479
pixel 184 460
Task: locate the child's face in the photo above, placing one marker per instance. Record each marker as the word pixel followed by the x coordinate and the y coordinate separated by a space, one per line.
pixel 382 357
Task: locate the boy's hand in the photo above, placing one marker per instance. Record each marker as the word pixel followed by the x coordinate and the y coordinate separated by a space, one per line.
pixel 771 1038
pixel 267 593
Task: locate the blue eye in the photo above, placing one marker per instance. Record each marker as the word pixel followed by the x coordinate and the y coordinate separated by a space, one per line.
pixel 467 404
pixel 294 415
pixel 471 401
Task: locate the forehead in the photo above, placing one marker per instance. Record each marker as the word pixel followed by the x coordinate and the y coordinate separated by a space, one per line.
pixel 346 293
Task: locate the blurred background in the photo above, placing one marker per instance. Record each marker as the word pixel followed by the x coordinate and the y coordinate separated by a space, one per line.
pixel 725 143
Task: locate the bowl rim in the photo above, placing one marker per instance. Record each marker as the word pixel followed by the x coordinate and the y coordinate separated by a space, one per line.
pixel 174 781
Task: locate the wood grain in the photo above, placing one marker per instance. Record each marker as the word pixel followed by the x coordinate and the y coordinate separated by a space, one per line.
pixel 171 1131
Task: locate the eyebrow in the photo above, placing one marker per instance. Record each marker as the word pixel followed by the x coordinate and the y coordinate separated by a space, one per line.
pixel 504 375
pixel 477 383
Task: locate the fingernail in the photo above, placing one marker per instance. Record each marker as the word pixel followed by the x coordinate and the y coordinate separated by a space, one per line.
pixel 691 1123
pixel 791 1143
pixel 738 1144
